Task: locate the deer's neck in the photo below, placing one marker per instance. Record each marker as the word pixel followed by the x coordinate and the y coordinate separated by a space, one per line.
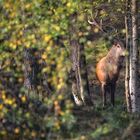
pixel 113 58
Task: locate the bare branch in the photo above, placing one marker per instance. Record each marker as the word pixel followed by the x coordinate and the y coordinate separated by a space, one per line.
pixel 94 22
pixel 100 26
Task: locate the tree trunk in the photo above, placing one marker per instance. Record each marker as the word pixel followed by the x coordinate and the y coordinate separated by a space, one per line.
pixel 80 86
pixel 128 44
pixel 32 70
pixel 133 83
pixel 84 74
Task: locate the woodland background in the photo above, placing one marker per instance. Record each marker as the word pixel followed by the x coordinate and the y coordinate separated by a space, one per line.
pixel 38 105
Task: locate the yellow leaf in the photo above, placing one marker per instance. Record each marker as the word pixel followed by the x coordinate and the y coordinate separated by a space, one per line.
pixel 48 48
pixel 57 28
pixel 44 56
pixel 16 130
pixel 6 101
pixel 33 133
pixel 1 106
pixel 123 31
pixel 14 105
pixel 68 4
pixel 60 97
pixel 56 103
pixel 12 45
pixel 27 6
pixel 7 5
pixel 47 38
pixel 21 33
pixel 34 41
pixel 10 102
pixel 12 14
pixel 96 30
pixel 3 97
pixel 28 45
pixel 23 99
pixel 20 80
pixel 57 125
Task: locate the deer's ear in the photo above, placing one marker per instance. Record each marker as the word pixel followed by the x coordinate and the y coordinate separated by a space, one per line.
pixel 115 42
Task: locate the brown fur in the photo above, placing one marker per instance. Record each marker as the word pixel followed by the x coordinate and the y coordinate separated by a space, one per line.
pixel 108 69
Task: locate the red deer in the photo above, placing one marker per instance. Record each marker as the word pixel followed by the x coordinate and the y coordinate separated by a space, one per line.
pixel 108 69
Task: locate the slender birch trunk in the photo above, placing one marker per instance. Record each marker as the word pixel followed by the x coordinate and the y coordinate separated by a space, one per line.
pixel 133 83
pixel 128 44
pixel 84 75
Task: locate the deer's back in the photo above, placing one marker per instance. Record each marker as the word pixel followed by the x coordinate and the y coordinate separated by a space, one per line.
pixel 107 71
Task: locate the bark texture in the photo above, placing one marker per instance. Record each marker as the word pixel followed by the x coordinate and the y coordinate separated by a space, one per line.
pixel 80 84
pixel 133 83
pixel 128 28
pixel 33 76
pixel 31 69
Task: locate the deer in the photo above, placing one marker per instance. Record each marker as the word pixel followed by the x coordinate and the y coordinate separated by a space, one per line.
pixel 108 68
